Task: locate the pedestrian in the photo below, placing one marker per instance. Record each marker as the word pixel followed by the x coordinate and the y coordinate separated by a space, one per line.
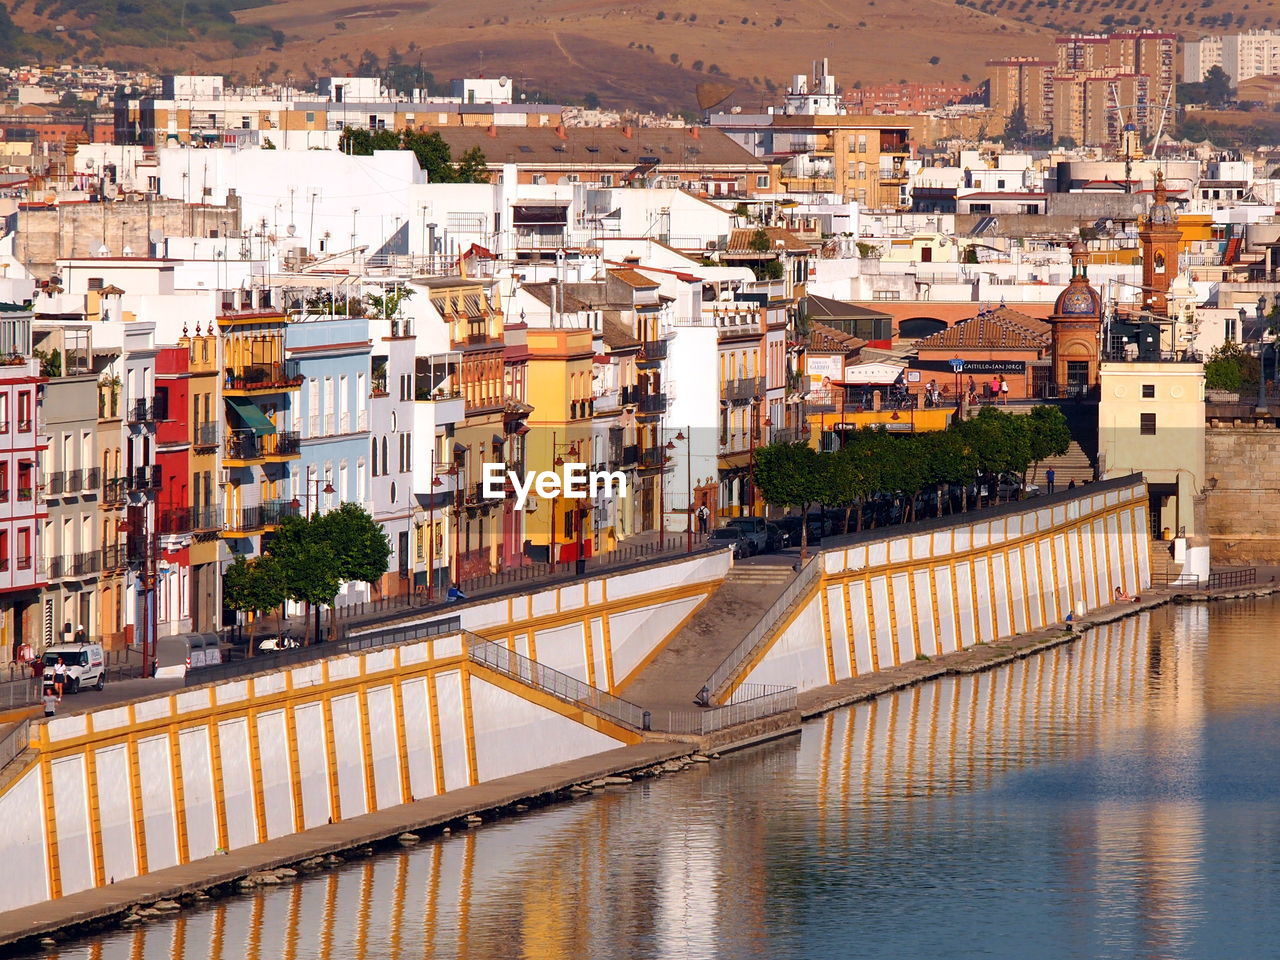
pixel 59 676
pixel 50 702
pixel 1071 485
pixel 1004 390
pixel 704 519
pixel 973 390
pixel 1048 479
pixel 81 636
pixel 995 389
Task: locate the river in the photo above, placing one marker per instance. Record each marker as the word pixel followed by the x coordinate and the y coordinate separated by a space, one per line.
pixel 1116 798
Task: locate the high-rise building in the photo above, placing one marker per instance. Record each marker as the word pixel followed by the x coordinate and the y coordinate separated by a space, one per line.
pixel 1025 82
pixel 1095 86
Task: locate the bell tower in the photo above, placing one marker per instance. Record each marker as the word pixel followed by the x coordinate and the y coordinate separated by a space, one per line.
pixel 1161 239
pixel 1077 330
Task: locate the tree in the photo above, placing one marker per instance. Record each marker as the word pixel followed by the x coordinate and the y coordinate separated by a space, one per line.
pixel 1047 433
pixel 254 586
pixel 1230 368
pixel 790 475
pixel 311 566
pixel 387 304
pixel 1015 128
pixel 472 167
pixel 357 541
pixel 431 150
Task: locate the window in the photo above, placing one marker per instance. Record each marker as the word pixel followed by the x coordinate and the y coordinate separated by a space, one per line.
pixel 1148 391
pixel 24 411
pixel 311 117
pixel 762 181
pixel 606 179
pixel 4 549
pixel 1148 428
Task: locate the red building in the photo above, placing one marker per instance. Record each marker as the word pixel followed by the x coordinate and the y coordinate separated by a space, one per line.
pixel 22 509
pixel 173 502
pixel 882 98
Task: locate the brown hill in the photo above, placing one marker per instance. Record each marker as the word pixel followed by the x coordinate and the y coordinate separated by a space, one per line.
pixel 650 55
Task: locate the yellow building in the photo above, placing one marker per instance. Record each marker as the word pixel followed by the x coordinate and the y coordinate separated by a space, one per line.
pixel 485 534
pixel 1151 421
pixel 260 439
pixel 559 390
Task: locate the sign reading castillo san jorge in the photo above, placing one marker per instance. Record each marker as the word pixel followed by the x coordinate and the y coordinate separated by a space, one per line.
pixel 978 367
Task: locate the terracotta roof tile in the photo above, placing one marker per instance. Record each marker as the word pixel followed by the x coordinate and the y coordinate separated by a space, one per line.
pixel 740 240
pixel 998 329
pixel 633 278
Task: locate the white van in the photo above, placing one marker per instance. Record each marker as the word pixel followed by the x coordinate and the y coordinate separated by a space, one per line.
pixel 86 665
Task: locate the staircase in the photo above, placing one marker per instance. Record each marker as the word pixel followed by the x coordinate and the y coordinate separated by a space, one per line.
pixel 1163 569
pixel 1072 465
pixel 677 673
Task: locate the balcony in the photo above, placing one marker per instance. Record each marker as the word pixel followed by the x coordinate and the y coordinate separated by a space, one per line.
pixel 145 410
pixel 630 456
pixel 113 557
pixel 205 434
pixel 175 521
pixel 262 378
pixel 86 564
pixel 144 479
pixel 652 403
pixel 53 484
pixel 745 389
pixel 245 447
pixel 654 458
pixel 653 351
pixel 249 520
pixel 114 490
pixel 75 481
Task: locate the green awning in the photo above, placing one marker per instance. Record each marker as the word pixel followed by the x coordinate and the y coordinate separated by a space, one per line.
pixel 253 417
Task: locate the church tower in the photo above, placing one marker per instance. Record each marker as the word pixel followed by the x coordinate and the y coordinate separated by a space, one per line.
pixel 1077 329
pixel 1160 238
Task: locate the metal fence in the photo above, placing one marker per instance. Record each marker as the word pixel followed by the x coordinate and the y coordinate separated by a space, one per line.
pixel 763 629
pixel 559 685
pixel 1220 580
pixel 751 701
pixel 283 659
pixel 19 691
pixel 14 742
pixel 534 574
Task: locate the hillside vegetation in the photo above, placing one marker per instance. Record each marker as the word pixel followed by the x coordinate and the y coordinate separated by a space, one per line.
pixel 648 55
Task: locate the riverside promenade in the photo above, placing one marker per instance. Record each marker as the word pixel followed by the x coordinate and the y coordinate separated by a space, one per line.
pixel 470 807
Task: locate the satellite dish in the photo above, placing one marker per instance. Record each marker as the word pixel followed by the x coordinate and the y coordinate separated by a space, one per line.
pixel 503 81
pixel 111 191
pixel 50 197
pixel 156 236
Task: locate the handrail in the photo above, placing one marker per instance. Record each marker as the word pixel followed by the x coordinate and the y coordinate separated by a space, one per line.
pixel 751 701
pixel 13 743
pixel 282 659
pixel 549 680
pixel 763 629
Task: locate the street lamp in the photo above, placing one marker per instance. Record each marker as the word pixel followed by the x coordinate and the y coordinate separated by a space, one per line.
pixel 957 367
pixel 572 447
pixel 328 491
pixel 662 495
pixel 688 486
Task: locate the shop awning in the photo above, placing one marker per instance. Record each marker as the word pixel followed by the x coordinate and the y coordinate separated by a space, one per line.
pixel 252 415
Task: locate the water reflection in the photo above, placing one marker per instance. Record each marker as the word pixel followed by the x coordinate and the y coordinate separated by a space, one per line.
pixel 1114 798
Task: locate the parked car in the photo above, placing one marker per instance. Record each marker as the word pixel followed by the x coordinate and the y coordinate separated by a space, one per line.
pixel 1011 487
pixel 754 528
pixel 776 538
pixel 820 524
pixel 790 530
pixel 734 538
pixel 85 664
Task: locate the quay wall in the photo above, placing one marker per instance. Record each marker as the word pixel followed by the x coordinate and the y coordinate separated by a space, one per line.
pixel 133 788
pixel 600 631
pixel 877 603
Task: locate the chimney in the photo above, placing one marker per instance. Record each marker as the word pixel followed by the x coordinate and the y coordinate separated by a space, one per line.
pixel 627 131
pixel 560 132
pixel 693 132
pixel 492 131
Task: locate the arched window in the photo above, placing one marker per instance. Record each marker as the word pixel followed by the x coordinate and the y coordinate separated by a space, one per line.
pixel 384 456
pixel 373 454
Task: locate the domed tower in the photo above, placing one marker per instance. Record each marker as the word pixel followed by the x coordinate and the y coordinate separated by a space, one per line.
pixel 1160 238
pixel 1077 329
